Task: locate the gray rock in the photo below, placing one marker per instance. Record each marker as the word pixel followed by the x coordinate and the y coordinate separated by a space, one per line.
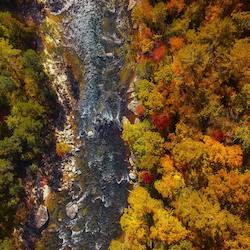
pixel 130 90
pixel 79 172
pixel 71 210
pixel 131 161
pixel 135 26
pixel 132 176
pixel 42 216
pixel 90 134
pixel 109 54
pixel 77 150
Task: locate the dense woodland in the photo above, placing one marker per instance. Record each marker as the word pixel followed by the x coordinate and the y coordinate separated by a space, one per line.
pixel 192 144
pixel 25 98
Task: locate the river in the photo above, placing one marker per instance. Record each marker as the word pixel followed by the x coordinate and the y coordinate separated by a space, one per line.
pixel 95 30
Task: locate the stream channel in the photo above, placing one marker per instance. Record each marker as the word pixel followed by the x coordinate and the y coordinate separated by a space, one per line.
pixel 96 31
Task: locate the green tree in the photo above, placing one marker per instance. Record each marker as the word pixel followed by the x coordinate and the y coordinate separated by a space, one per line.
pixel 243 135
pixel 26 123
pixel 159 15
pixel 24 100
pixel 183 245
pixel 150 97
pixel 6 244
pixel 19 35
pixel 147 146
pixel 10 60
pixel 10 188
pixel 219 32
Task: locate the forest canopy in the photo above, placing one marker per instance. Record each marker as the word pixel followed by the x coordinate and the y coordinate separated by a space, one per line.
pixel 24 100
pixel 191 144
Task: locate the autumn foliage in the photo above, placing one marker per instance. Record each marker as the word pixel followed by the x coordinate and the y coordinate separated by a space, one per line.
pixel 192 143
pixel 158 53
pixel 176 43
pixel 161 121
pixel 176 5
pixel 26 101
pixel 139 110
pixel 147 177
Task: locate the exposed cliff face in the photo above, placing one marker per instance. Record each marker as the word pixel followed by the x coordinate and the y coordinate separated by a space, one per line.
pixel 58 170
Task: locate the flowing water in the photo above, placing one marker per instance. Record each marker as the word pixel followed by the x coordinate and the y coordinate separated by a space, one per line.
pixel 95 30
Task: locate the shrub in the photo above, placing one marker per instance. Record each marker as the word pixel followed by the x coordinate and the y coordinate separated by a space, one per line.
pixel 62 149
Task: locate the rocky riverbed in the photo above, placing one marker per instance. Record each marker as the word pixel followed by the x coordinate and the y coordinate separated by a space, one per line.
pixel 82 210
pixel 57 172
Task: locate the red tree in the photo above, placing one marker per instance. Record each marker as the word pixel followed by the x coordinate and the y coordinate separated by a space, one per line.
pixel 159 52
pixel 161 121
pixel 139 110
pixel 218 135
pixel 146 177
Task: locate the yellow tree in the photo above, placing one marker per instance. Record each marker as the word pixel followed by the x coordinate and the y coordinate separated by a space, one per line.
pixel 143 12
pixel 218 154
pixel 209 152
pixel 232 189
pixel 213 227
pixel 167 228
pixel 147 146
pixel 172 180
pixel 146 221
pixel 170 184
pixel 188 153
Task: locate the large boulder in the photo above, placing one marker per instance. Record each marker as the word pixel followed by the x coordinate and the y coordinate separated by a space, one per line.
pixel 71 210
pixel 41 216
pixel 132 175
pixel 90 134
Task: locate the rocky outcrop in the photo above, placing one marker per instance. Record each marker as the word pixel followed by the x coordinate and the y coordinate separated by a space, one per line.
pixel 131 4
pixel 41 217
pixel 132 102
pixel 131 106
pixel 56 173
pixel 62 84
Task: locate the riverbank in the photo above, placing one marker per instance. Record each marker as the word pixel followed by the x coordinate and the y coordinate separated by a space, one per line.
pixel 58 167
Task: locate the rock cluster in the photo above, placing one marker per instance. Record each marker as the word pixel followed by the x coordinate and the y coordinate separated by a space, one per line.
pixel 132 104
